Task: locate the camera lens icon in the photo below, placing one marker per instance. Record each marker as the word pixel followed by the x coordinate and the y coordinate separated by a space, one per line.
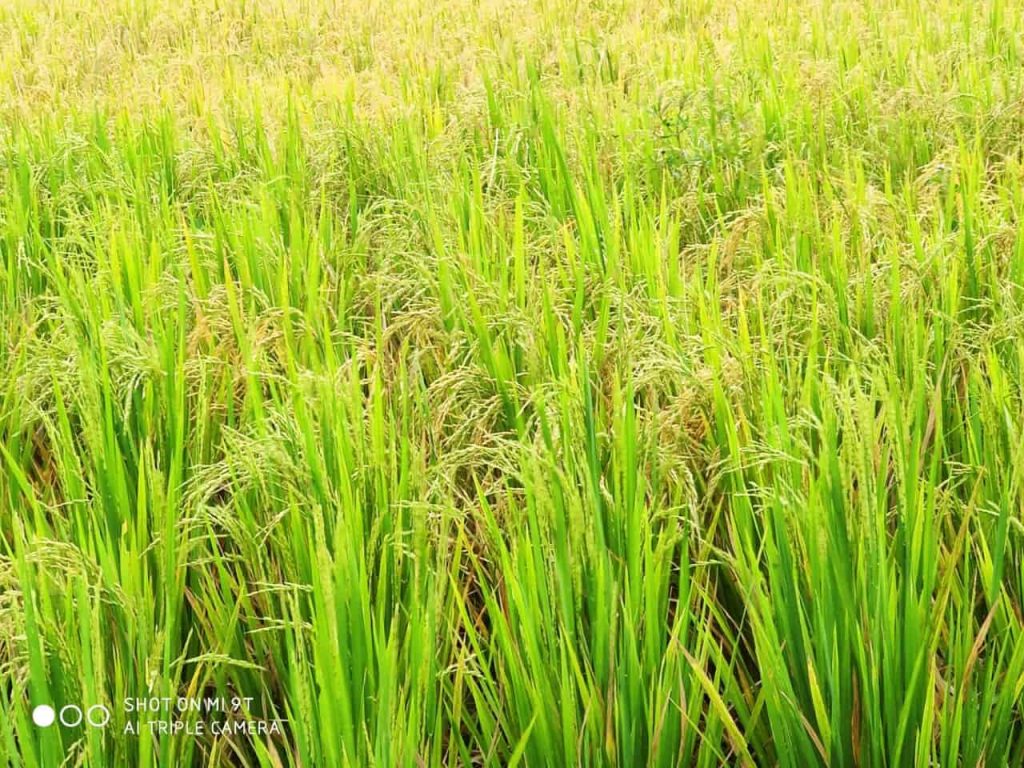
pixel 71 716
pixel 44 715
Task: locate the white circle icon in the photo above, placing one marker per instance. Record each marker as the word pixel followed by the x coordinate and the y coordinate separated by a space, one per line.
pixel 43 715
pixel 69 711
pixel 100 719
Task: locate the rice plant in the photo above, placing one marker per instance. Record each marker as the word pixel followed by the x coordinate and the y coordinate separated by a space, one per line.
pixel 512 383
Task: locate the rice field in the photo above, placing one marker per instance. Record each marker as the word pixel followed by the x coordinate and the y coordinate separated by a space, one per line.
pixel 512 383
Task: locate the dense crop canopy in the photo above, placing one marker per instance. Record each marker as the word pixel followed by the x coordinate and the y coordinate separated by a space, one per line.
pixel 626 382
